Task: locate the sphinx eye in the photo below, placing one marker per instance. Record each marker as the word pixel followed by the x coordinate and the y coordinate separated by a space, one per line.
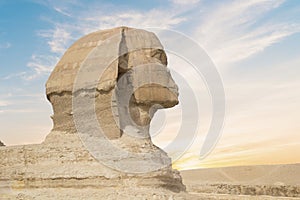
pixel 159 54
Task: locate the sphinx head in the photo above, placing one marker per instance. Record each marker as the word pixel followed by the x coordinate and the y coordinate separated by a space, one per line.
pixel 134 82
pixel 142 90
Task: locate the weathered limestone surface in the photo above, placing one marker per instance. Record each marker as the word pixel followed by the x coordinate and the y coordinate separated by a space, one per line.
pixel 61 167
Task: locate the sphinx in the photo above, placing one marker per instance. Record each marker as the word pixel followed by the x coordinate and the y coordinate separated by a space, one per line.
pixel 104 92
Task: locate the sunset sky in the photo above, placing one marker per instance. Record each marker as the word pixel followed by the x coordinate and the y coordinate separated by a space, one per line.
pixel 254 45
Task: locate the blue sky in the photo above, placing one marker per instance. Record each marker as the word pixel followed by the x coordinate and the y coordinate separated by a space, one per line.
pixel 254 44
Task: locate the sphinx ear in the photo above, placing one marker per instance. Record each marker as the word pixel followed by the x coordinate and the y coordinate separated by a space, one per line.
pixel 108 80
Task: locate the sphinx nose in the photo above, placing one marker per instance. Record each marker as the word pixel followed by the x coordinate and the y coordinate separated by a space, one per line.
pixel 156 87
pixel 172 86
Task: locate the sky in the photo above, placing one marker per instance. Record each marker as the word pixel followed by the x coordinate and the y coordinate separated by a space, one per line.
pixel 254 45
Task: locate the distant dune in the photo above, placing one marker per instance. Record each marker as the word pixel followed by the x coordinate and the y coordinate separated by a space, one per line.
pixel 268 180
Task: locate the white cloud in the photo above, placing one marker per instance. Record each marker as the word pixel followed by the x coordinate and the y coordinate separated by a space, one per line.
pixel 10 76
pixel 93 19
pixel 233 31
pixel 250 43
pixel 41 64
pixel 19 111
pixel 64 33
pixel 21 101
pixel 58 38
pixel 62 11
pixel 153 18
pixel 184 2
pixel 227 31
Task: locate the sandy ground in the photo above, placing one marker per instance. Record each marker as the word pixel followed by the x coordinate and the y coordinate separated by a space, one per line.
pixel 112 194
pixel 240 197
pixel 247 182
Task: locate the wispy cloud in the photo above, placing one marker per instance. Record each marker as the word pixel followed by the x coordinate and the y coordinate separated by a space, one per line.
pixel 21 102
pixel 189 2
pixel 230 31
pixel 236 30
pixel 41 65
pixel 3 103
pixel 6 111
pixel 92 19
pixel 153 18
pixel 16 75
pixel 58 38
pixel 5 45
pixel 62 11
pixel 251 43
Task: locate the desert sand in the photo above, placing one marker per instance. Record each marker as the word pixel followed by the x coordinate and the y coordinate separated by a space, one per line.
pixel 247 182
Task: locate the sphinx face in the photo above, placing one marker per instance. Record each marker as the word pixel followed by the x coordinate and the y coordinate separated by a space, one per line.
pixel 144 88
